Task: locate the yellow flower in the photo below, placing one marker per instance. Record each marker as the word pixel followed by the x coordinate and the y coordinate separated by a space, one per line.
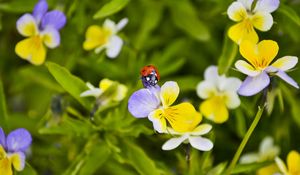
pixel 260 18
pixel 182 117
pixel 293 164
pixel 41 29
pixel 105 37
pixel 108 91
pixel 17 160
pixel 260 56
pixel 220 93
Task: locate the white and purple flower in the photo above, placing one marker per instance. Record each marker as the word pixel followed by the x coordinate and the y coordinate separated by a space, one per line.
pixel 41 29
pixel 12 150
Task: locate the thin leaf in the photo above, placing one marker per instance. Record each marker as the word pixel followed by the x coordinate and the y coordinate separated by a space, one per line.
pixel 227 56
pixel 243 168
pixel 111 8
pixel 185 17
pixel 139 159
pixel 290 13
pixel 3 112
pixel 72 84
pixel 217 170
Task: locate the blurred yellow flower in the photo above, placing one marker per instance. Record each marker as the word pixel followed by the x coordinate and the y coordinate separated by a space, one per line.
pixel 293 164
pixel 220 93
pixel 260 18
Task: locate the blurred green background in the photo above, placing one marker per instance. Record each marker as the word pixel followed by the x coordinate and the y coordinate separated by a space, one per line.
pixel 181 38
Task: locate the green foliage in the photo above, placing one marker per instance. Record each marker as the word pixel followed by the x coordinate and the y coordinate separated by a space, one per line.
pixel 74 135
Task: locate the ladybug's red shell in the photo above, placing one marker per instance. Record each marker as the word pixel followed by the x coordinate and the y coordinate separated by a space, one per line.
pixel 148 70
pixel 150 76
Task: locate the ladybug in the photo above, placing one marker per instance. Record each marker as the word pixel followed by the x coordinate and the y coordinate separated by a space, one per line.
pixel 150 76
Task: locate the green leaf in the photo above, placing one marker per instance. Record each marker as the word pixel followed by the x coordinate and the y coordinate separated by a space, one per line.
pixel 110 8
pixel 139 159
pixel 252 167
pixel 290 13
pixel 28 170
pixel 3 112
pixel 17 6
pixel 217 170
pixel 44 78
pixel 184 16
pixel 228 54
pixel 72 84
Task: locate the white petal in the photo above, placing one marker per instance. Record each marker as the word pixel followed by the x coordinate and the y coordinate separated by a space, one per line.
pixel 114 46
pixel 201 129
pixel 247 3
pixel 287 78
pixel 122 24
pixel 246 68
pixel 267 149
pixel 231 84
pixel 157 124
pixel 206 89
pixel 173 143
pixel 89 85
pixel 232 100
pixel 110 25
pixel 268 6
pixel 169 93
pixel 27 26
pixel 280 164
pixel 262 21
pixel 211 74
pixel 253 85
pixel 286 62
pixel 237 11
pixel 249 158
pixel 51 37
pixel 201 143
pixel 93 92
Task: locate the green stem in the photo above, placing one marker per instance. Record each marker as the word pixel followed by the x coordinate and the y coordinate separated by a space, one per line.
pixel 245 140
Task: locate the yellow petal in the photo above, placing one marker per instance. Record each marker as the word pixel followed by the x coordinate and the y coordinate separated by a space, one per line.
pixel 293 162
pixel 2 153
pixel 243 31
pixel 262 21
pixel 169 92
pixel 5 167
pixel 268 170
pixel 267 50
pixel 95 37
pixel 32 50
pixel 27 26
pixel 215 109
pixel 18 161
pixel 248 50
pixel 182 117
pixel 105 84
pixel 159 121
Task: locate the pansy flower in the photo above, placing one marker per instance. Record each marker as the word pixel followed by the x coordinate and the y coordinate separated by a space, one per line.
pixel 117 91
pixel 194 137
pixel 12 150
pixel 293 164
pixel 42 30
pixel 220 94
pixel 156 104
pixel 105 37
pixel 259 17
pixel 258 68
pixel 267 152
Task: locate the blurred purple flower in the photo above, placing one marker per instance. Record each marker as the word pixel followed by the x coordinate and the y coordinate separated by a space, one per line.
pixel 12 149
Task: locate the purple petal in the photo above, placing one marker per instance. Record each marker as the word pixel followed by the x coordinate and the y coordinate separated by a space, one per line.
pixel 253 85
pixel 2 138
pixel 287 78
pixel 40 10
pixel 142 102
pixel 55 18
pixel 18 140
